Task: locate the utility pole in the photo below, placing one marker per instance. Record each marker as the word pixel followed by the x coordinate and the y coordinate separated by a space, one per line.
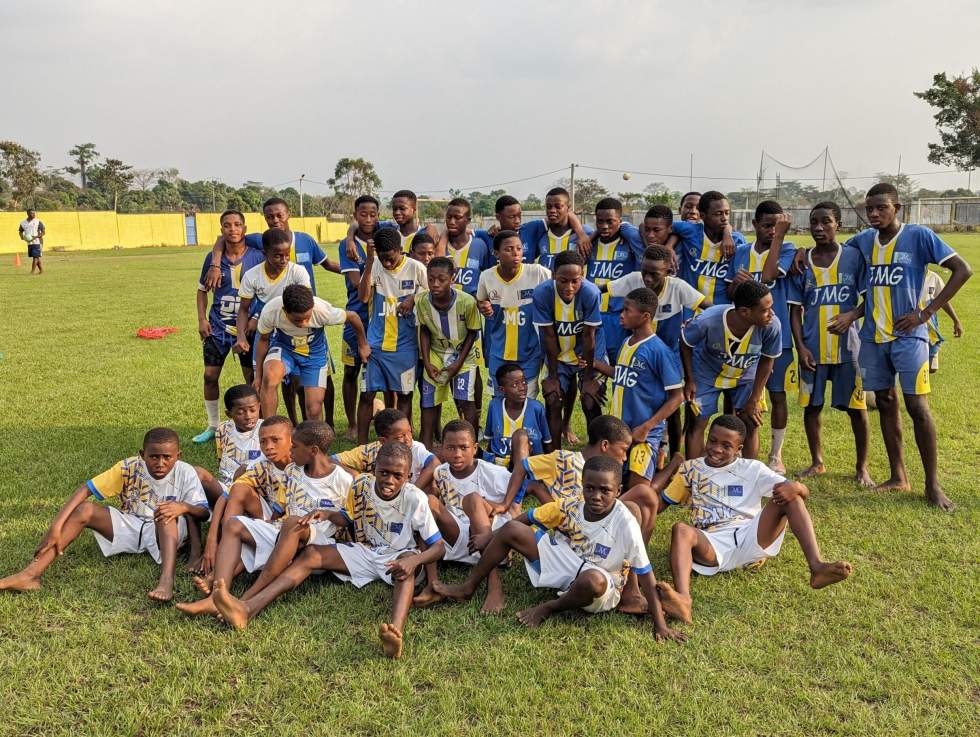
pixel 213 204
pixel 823 182
pixel 301 178
pixel 690 175
pixel 571 187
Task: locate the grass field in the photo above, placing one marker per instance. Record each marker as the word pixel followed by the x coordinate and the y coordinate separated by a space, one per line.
pixel 893 651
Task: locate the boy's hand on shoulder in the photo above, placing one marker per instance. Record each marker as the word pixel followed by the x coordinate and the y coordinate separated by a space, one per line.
pixel 799 262
pixel 213 280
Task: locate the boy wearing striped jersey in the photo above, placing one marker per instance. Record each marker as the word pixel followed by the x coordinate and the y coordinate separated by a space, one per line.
pixel 706 248
pixel 824 304
pixel 932 286
pixel 729 350
pixel 449 325
pixel 769 260
pixel 505 298
pixel 157 492
pixel 646 386
pixel 389 286
pixel 559 232
pixel 292 343
pixel 391 424
pixel 567 316
pixel 384 514
pixel 731 529
pixel 586 548
pixel 511 412
pixel 217 326
pixel 895 336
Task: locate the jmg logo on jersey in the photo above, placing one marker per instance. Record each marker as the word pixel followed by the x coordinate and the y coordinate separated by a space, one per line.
pixel 742 360
pixel 526 294
pixel 624 376
pixel 885 275
pixel 602 551
pixel 408 284
pixel 389 308
pixel 607 270
pixel 568 328
pixel 734 490
pixel 395 527
pixel 514 317
pixel 464 276
pixel 833 294
pixel 711 269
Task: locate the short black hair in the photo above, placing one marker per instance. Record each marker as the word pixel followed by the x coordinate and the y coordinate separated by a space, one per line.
pixel 275 237
pixel 442 262
pixel 828 205
pixel 749 293
pixel 276 420
pixel 660 212
pixel 226 213
pixel 459 202
pixel 237 393
pixel 609 428
pixel 506 369
pixel 458 425
pixel 645 300
pixel 884 188
pixel 558 191
pixel 406 194
pixel 159 435
pixel 419 239
pixel 707 198
pixel 730 422
pixel 609 203
pixel 658 253
pixel 366 199
pixel 689 194
pixel 767 207
pixel 387 239
pixel 503 235
pixel 275 201
pixel 313 432
pixel 396 451
pixel 386 419
pixel 603 464
pixel 568 258
pixel 504 202
pixel 297 298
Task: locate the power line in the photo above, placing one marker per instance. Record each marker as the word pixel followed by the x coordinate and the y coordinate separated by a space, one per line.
pixel 753 179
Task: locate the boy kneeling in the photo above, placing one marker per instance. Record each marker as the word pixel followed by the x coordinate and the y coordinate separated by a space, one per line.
pixel 731 527
pixel 157 491
pixel 584 547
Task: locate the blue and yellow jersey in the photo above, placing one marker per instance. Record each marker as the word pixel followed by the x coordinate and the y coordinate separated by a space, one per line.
pixel 469 260
pixel 895 273
pixel 511 335
pixel 224 306
pixel 387 331
pixel 541 245
pixel 406 239
pixel 675 296
pixel 530 233
pixel 569 318
pixel 824 293
pixel 500 428
pixel 560 471
pixel 140 494
pixel 304 251
pixel 933 285
pixel 722 359
pixel 751 260
pixel 448 328
pixel 700 261
pixel 645 371
pixel 347 266
pixel 614 260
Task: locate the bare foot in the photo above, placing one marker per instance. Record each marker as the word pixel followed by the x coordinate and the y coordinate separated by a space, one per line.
pixel 776 465
pixel 231 609
pixel 193 564
pixel 203 584
pixel 938 499
pixel 894 484
pixel 674 603
pixel 534 616
pixel 426 598
pixel 494 603
pixel 460 592
pixel 198 608
pixel 163 592
pixel 391 641
pixel 827 573
pixel 570 437
pixel 350 434
pixel 20 582
pixel 633 604
pixel 864 478
pixel 815 469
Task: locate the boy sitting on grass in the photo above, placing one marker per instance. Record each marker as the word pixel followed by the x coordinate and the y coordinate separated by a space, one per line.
pixel 384 513
pixel 512 410
pixel 731 527
pixel 583 547
pixel 236 441
pixel 390 424
pixel 157 491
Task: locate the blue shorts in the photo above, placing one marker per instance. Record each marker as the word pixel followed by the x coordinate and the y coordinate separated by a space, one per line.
pixel 570 376
pixel 643 456
pixel 390 371
pixel 847 392
pixel 34 250
pixel 312 371
pixel 706 397
pixel 783 377
pixel 532 371
pixel 907 357
pixel 349 355
pixel 462 388
pixel 613 335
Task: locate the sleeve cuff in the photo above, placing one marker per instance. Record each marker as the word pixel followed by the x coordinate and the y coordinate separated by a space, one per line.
pixel 528 471
pixel 434 539
pixel 670 502
pixel 946 258
pixel 94 491
pixel 644 570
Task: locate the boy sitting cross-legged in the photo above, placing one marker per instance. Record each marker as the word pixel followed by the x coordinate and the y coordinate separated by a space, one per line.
pixel 157 491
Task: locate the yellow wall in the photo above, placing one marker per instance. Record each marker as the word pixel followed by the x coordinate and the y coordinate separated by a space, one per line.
pixel 91 230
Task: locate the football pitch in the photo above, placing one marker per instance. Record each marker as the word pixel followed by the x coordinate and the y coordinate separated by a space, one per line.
pixel 892 651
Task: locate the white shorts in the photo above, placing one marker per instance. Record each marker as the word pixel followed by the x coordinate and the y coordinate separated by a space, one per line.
pixel 322 533
pixel 265 535
pixel 365 565
pixel 459 551
pixel 132 534
pixel 558 566
pixel 737 546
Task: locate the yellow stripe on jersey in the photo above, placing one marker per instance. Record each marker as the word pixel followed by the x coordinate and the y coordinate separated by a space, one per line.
pixel 625 358
pixel 292 252
pixel 829 342
pixel 460 257
pixel 881 305
pixel 512 426
pixel 605 252
pixel 709 252
pixel 730 375
pixel 566 343
pixel 558 243
pixel 236 275
pixel 512 320
pixel 390 340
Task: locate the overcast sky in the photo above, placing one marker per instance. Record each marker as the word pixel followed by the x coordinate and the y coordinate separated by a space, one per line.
pixel 441 94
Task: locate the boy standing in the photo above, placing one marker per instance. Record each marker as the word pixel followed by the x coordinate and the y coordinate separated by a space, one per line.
pixel 934 285
pixel 32 232
pixel 513 410
pixel 706 247
pixel 559 232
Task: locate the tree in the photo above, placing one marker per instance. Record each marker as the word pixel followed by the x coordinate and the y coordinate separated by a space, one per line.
pixel 906 186
pixel 19 166
pixel 483 204
pixel 957 101
pixel 82 154
pixel 587 192
pixel 532 202
pixel 145 177
pixel 658 193
pixel 352 178
pixel 112 179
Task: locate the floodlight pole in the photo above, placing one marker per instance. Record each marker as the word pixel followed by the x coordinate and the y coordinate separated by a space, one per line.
pixel 301 178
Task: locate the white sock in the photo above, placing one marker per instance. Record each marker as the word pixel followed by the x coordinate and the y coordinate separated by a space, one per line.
pixel 777 443
pixel 211 407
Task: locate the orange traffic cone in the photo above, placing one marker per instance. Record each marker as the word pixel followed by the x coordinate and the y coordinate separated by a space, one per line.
pixel 16 259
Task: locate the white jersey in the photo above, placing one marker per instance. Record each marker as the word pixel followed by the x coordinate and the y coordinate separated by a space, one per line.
pixel 488 480
pixel 235 449
pixel 718 497
pixel 305 494
pixel 273 319
pixel 140 494
pixel 389 526
pixel 31 230
pixel 675 295
pixel 257 284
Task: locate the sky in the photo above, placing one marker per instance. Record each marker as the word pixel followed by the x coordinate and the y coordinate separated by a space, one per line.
pixel 442 95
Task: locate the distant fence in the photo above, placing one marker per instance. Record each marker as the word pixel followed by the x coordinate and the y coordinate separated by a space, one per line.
pixel 73 230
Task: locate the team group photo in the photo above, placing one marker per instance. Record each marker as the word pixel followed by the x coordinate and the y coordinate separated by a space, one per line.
pixel 681 439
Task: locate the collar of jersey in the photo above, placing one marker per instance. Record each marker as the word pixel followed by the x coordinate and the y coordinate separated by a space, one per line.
pixel 833 263
pixel 730 337
pixel 520 269
pixel 879 244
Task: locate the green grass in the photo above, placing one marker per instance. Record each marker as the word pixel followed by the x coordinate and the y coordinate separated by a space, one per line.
pixel 892 651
